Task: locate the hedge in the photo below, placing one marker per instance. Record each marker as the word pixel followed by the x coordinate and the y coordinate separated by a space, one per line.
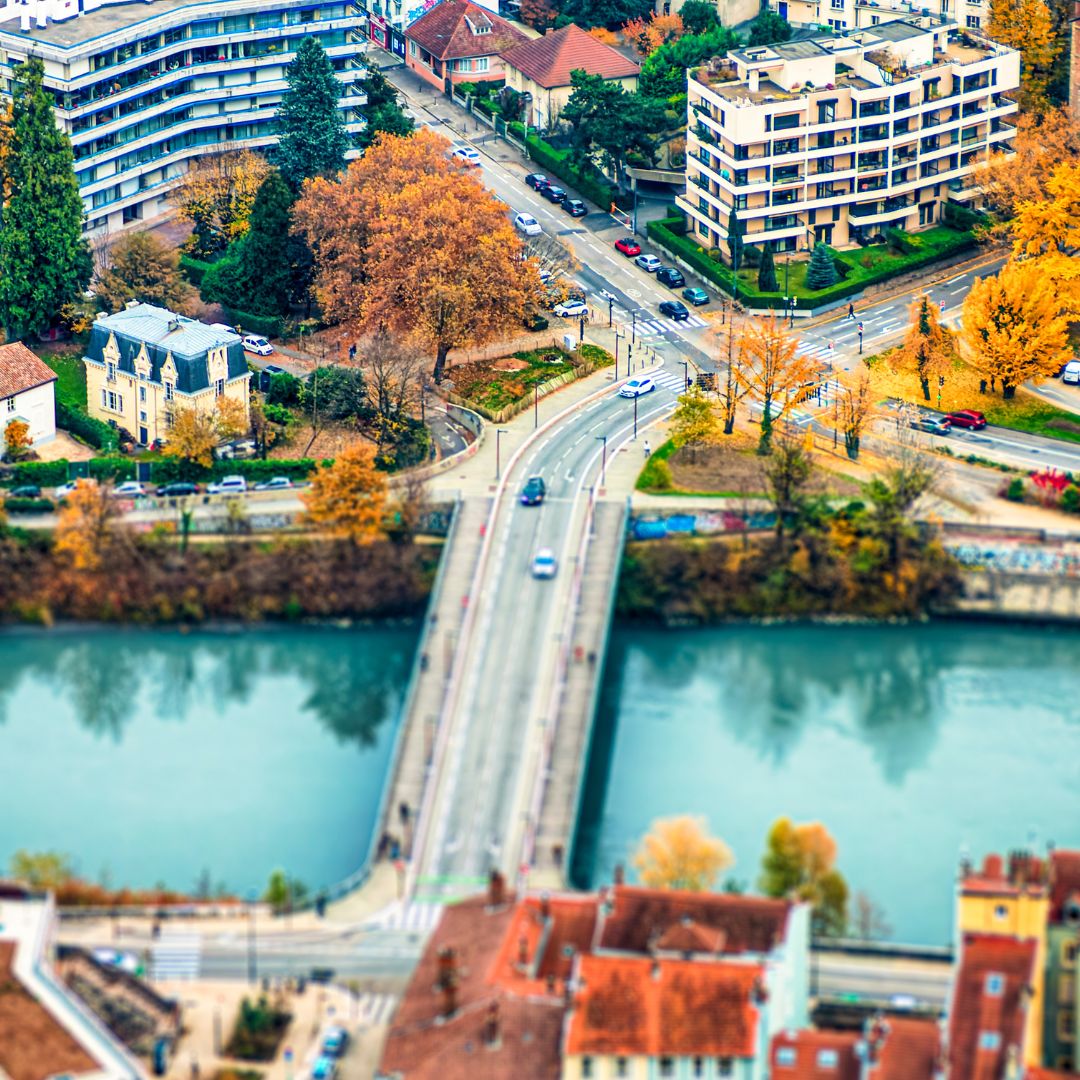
pixel 194 269
pixel 267 325
pixel 98 434
pixel 167 469
pixel 28 506
pixel 592 184
pixel 42 473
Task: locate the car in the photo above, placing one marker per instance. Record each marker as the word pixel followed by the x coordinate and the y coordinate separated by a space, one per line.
pixel 553 194
pixel 637 386
pixel 544 564
pixel 575 207
pixel 571 309
pixel 649 263
pixel 933 425
pixel 628 246
pixel 967 418
pixel 275 483
pixel 467 156
pixel 25 491
pixel 669 276
pixel 325 1068
pixel 1071 374
pixel 335 1042
pixel 696 296
pixel 177 489
pixel 536 180
pixel 532 494
pixel 253 343
pixel 674 309
pixel 229 485
pixel 238 448
pixel 129 489
pixel 527 224
pixel 113 958
pixel 64 490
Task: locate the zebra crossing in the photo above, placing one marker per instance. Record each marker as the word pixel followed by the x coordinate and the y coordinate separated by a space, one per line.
pixel 822 350
pixel 647 327
pixel 373 1009
pixel 670 380
pixel 417 916
pixel 177 954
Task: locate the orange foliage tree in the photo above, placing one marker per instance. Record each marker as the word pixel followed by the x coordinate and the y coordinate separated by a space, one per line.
pixel 1049 228
pixel 646 35
pixel 17 439
pixel 928 349
pixel 799 862
pixel 348 497
pixel 679 853
pixel 84 525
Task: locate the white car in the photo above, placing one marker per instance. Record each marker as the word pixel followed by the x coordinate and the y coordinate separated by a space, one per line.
pixel 648 263
pixel 129 489
pixel 571 309
pixel 64 490
pixel 1071 374
pixel 527 224
pixel 123 961
pixel 258 345
pixel 544 564
pixel 275 483
pixel 467 156
pixel 637 387
pixel 229 485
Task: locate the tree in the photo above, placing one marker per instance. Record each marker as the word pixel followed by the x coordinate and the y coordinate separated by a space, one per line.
pixel 609 13
pixel 855 406
pixel 1014 328
pixel 84 525
pixel 678 853
pixel 868 922
pixel 283 892
pixel 539 14
pixel 766 276
pixel 928 349
pixel 735 240
pixel 821 273
pixel 45 263
pixel 383 111
pixel 17 441
pixel 313 137
pixel 231 417
pixel 141 266
pixel 737 382
pixel 1049 228
pixel 348 497
pixel 663 74
pixel 799 864
pixel 786 475
pixel 694 423
pixel 768 28
pixel 699 16
pixel 646 34
pixel 393 376
pixel 41 869
pixel 336 393
pixel 193 436
pixel 1026 25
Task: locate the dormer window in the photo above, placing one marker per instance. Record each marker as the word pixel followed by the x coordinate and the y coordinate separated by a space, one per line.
pixel 110 371
pixel 995 984
pixel 989 1040
pixel 478 27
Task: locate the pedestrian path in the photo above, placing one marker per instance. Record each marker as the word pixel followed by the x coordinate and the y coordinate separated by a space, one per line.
pixel 418 916
pixel 177 954
pixel 373 1009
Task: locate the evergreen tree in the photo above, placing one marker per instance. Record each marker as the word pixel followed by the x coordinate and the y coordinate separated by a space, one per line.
pixel 735 240
pixel 313 136
pixel 821 273
pixel 768 28
pixel 383 112
pixel 45 263
pixel 766 275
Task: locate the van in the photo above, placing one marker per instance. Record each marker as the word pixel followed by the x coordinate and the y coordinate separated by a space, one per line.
pixel 230 485
pixel 1071 374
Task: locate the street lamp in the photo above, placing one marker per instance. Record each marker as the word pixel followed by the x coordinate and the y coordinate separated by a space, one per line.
pixel 618 337
pixel 536 405
pixel 686 374
pixel 610 308
pixel 635 417
pixel 633 327
pixel 253 967
pixel 581 329
pixel 794 304
pixel 603 459
pixel 500 432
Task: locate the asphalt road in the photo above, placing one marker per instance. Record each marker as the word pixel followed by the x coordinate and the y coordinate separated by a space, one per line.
pixel 879 979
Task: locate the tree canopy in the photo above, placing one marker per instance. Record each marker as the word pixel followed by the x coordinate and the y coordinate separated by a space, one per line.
pixel 679 853
pixel 141 266
pixel 928 349
pixel 348 497
pixel 383 110
pixel 1026 25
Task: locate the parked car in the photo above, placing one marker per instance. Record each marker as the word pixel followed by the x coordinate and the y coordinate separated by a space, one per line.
pixel 532 494
pixel 335 1042
pixel 967 418
pixel 553 194
pixel 571 309
pixel 267 374
pixel 223 326
pixel 628 246
pixel 575 207
pixel 649 263
pixel 229 485
pixel 25 491
pixel 933 425
pixel 238 448
pixel 536 180
pixel 253 343
pixel 696 296
pixel 113 958
pixel 527 224
pixel 467 156
pixel 669 276
pixel 544 564
pixel 637 386
pixel 177 489
pixel 129 489
pixel 64 490
pixel 1071 374
pixel 275 483
pixel 325 1068
pixel 674 309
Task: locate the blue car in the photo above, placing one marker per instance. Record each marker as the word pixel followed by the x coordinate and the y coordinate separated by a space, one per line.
pixel 337 1039
pixel 325 1068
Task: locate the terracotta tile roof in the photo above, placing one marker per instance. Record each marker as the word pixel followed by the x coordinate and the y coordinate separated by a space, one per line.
pixel 1064 881
pixel 454 29
pixel 814 1055
pixel 988 1010
pixel 910 1049
pixel 625 1006
pixel 538 947
pixel 21 370
pixel 640 918
pixel 994 878
pixel 33 1045
pixel 688 936
pixel 548 60
pixel 1035 1073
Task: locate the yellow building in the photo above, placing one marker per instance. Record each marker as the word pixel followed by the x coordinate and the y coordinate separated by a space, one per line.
pixel 145 362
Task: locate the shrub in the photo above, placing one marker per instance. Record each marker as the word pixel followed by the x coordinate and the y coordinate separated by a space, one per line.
pixel 1015 491
pixel 662 480
pixel 589 181
pixel 28 506
pixel 253 470
pixel 42 473
pixel 113 468
pixel 194 269
pixel 267 325
pixel 1070 500
pixel 593 354
pixel 277 414
pixel 99 435
pixel 900 241
pixel 285 389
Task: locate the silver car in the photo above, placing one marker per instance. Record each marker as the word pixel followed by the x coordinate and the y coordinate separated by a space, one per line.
pixel 544 564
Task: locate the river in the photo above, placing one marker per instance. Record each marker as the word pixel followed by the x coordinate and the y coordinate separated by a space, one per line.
pixel 912 744
pixel 154 756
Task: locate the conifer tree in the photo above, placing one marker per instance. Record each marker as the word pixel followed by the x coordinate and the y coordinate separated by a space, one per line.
pixel 821 273
pixel 766 275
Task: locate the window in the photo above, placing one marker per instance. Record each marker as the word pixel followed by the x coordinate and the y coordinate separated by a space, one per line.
pixel 667 1066
pixel 995 984
pixel 1066 1024
pixel 1001 911
pixel 989 1040
pixel 142 417
pixel 698 1067
pixel 1068 954
pixel 412 49
pixel 11 404
pixel 110 371
pixel 169 391
pixel 785 1055
pixel 826 112
pixel 586 1066
pixel 725 1067
pixel 827 1059
pixel 142 394
pixel 621 1067
pixel 482 63
pixel 112 401
pixel 974 22
pixel 219 387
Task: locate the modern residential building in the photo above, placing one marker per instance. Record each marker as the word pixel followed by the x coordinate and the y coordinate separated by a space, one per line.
pixel 26 393
pixel 145 362
pixel 840 137
pixel 853 14
pixel 144 89
pixel 540 69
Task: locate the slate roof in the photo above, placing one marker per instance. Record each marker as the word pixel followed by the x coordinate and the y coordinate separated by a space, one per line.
pixel 21 370
pixel 817 1055
pixel 456 29
pixel 549 60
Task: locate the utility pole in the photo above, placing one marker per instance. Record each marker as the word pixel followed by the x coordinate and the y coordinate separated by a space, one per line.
pixel 603 458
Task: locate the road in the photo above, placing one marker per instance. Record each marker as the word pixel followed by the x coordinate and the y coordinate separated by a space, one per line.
pixel 878 978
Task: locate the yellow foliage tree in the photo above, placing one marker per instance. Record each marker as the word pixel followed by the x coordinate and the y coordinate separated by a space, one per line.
pixel 928 350
pixel 84 525
pixel 232 417
pixel 1027 25
pixel 1014 328
pixel 1049 228
pixel 800 862
pixel 17 439
pixel 679 853
pixel 348 497
pixel 855 409
pixel 193 436
pixel 41 869
pixel 694 422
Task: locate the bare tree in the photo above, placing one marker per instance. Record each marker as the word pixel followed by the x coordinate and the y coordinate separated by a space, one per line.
pixel 736 378
pixel 868 923
pixel 392 375
pixel 787 472
pixel 856 408
pixel 411 504
pixel 554 263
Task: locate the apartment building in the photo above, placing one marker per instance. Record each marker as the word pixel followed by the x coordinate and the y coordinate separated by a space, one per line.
pixel 853 14
pixel 841 136
pixel 145 88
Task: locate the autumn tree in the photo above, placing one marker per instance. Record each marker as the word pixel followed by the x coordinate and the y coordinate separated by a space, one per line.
pixel 694 424
pixel 539 14
pixel 737 382
pixel 1049 229
pixel 679 853
pixel 41 869
pixel 855 409
pixel 230 417
pixel 928 350
pixel 193 436
pixel 646 34
pixel 141 266
pixel 392 375
pixel 1026 25
pixel 787 472
pixel 84 525
pixel 348 498
pixel 17 441
pixel 1014 328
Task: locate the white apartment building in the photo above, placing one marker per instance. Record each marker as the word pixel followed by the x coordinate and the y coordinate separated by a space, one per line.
pixel 145 88
pixel 853 14
pixel 840 137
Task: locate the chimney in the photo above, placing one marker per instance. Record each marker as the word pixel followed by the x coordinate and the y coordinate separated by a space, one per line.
pixel 759 993
pixel 753 80
pixel 568 992
pixel 131 303
pixel 551 982
pixel 24 22
pixel 447 981
pixel 655 971
pixel 875 1038
pixel 492 1027
pixel 992 866
pixel 449 1001
pixel 100 315
pixel 545 906
pixel 496 889
pixel 523 951
pixel 620 874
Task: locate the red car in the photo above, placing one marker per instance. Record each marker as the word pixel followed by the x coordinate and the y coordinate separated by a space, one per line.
pixel 628 246
pixel 967 418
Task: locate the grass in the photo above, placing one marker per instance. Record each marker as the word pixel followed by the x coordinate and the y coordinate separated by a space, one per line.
pixel 1031 414
pixel 70 377
pixel 493 389
pixel 652 478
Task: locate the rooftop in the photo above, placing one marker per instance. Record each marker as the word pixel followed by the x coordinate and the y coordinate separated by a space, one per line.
pixel 815 1055
pixel 910 1048
pixel 549 60
pixel 454 29
pixel 177 333
pixel 20 370
pixel 1064 882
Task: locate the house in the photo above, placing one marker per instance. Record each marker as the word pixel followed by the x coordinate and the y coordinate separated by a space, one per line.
pixel 814 1055
pixel 541 70
pixel 145 362
pixel 458 41
pixel 1062 969
pixel 26 393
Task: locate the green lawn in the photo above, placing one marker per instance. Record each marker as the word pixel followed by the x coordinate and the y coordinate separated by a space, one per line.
pixel 1035 416
pixel 71 377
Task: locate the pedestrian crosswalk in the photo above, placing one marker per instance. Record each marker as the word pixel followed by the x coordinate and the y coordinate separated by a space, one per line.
pixel 374 1009
pixel 670 380
pixel 647 327
pixel 177 954
pixel 418 916
pixel 820 350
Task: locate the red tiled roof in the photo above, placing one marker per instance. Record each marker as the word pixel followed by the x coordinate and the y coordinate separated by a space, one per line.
pixel 548 60
pixel 994 878
pixel 975 1013
pixel 21 370
pixel 682 1007
pixel 454 29
pixel 1064 882
pixel 642 916
pixel 536 948
pixel 688 936
pixel 818 1055
pixel 911 1050
pixel 1035 1073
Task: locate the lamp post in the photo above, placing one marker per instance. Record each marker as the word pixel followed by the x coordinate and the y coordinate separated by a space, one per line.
pixel 860 338
pixel 581 328
pixel 794 303
pixel 633 327
pixel 536 405
pixel 619 336
pixel 635 417
pixel 610 307
pixel 253 965
pixel 603 459
pixel 500 432
pixel 686 374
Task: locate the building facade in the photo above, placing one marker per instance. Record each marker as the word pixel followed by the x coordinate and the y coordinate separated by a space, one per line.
pixel 27 387
pixel 144 363
pixel 837 138
pixel 144 89
pixel 853 14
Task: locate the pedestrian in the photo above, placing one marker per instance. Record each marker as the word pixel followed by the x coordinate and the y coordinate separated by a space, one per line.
pixel 647 451
pixel 423 661
pixel 557 855
pixel 851 311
